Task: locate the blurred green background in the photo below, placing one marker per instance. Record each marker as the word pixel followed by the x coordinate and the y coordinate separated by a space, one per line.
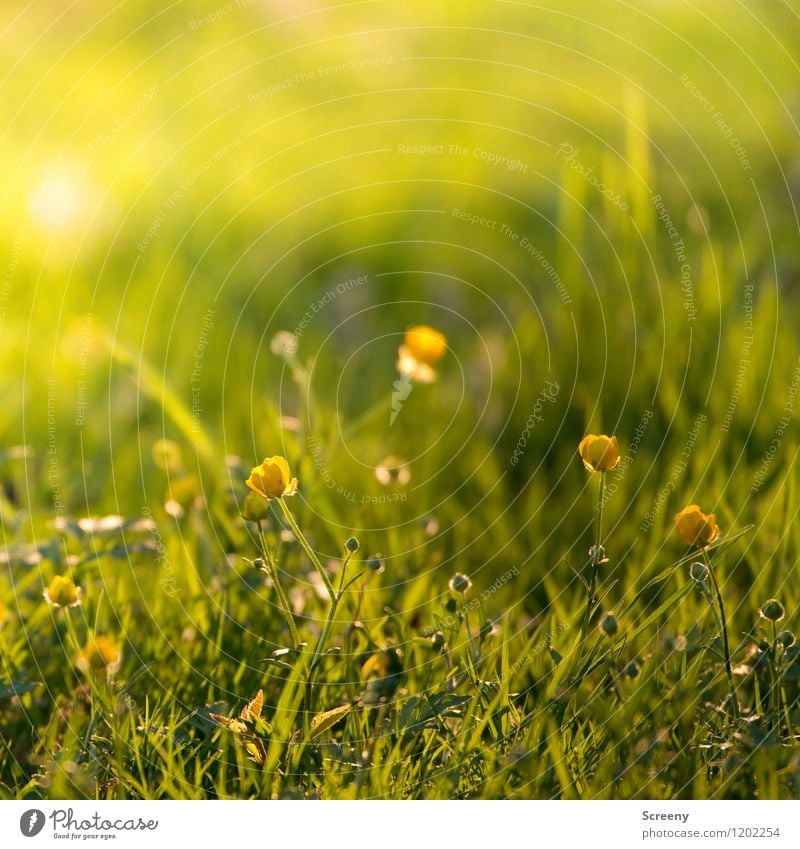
pixel 201 174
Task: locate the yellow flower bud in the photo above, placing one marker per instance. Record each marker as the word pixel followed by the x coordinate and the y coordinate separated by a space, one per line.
pixel 272 478
pixel 422 348
pixel 425 344
pixel 695 527
pixel 99 655
pixel 599 453
pixel 62 592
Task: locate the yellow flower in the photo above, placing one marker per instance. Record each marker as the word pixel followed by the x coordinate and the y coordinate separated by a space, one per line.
pixel 426 344
pixel 695 527
pixel 167 455
pixel 62 592
pixel 99 655
pixel 599 453
pixel 422 348
pixel 272 478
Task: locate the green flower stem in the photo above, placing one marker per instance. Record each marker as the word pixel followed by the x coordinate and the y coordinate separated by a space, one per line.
pixel 324 634
pixel 724 629
pixel 598 540
pixel 283 601
pixel 343 573
pixel 317 656
pixel 322 641
pixel 775 698
pixel 307 548
pixel 592 586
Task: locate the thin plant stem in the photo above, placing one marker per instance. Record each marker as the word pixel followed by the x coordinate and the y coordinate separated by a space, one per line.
pixel 595 564
pixel 775 699
pixel 307 548
pixel 473 652
pixel 724 629
pixel 336 597
pixel 594 567
pixel 283 601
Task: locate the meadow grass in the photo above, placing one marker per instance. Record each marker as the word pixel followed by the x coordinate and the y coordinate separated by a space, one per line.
pixel 225 212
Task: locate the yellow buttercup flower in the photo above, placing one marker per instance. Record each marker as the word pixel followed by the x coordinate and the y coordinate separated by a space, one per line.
pixel 272 478
pixel 99 655
pixel 422 348
pixel 695 527
pixel 599 453
pixel 62 592
pixel 426 344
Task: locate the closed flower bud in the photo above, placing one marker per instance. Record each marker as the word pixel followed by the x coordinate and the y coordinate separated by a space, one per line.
pixel 599 453
pixel 786 639
pixel 631 670
pixel 375 564
pixel 695 527
pixel 609 624
pixel 284 344
pixel 460 583
pixel 352 545
pixel 438 641
pixel 773 610
pixel 699 572
pixel 255 508
pixel 167 455
pixel 597 554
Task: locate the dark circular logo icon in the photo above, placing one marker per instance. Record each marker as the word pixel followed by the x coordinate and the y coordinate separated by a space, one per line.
pixel 31 822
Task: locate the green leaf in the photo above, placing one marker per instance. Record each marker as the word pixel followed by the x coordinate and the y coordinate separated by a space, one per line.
pixel 323 722
pixel 17 688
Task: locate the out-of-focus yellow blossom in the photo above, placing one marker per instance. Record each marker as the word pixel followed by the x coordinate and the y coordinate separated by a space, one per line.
pixel 62 592
pixel 99 655
pixel 422 348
